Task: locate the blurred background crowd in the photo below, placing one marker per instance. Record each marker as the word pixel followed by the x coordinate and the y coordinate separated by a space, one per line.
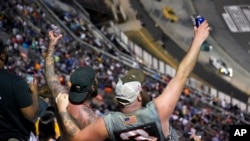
pixel 24 26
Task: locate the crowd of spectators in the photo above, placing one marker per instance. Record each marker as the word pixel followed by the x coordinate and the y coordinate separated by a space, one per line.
pixel 27 26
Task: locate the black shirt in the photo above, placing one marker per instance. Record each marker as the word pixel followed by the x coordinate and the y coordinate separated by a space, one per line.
pixel 14 95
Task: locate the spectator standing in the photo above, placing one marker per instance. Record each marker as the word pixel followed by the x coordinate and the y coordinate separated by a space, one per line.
pixel 47 126
pixel 18 103
pixel 135 122
pixel 83 87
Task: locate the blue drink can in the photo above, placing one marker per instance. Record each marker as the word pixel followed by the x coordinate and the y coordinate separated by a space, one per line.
pixel 199 20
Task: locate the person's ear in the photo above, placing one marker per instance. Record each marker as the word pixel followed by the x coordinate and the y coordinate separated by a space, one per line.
pixel 94 90
pixel 69 84
pixel 139 98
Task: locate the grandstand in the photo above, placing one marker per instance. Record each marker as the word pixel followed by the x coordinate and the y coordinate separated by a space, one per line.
pixel 110 55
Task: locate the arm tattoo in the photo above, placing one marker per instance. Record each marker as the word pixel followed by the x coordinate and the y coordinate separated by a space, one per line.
pixel 69 124
pixel 51 77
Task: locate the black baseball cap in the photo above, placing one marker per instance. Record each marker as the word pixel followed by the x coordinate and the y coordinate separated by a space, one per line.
pixel 82 80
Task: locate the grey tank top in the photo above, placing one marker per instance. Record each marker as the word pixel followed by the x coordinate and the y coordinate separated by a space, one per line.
pixel 143 124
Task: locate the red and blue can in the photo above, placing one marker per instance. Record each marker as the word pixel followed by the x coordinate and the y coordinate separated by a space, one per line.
pixel 199 20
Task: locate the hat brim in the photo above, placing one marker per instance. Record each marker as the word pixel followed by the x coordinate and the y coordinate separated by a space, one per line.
pixel 122 101
pixel 77 97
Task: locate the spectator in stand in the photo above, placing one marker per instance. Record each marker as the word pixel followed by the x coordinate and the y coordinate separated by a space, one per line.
pixel 145 100
pixel 17 20
pixel 47 126
pixel 18 103
pixel 83 87
pixel 135 122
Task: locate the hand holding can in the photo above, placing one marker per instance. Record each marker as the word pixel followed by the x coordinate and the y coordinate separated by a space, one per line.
pixel 199 20
pixel 56 30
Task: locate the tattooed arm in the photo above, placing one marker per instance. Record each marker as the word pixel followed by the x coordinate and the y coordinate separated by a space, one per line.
pixel 51 78
pixel 79 115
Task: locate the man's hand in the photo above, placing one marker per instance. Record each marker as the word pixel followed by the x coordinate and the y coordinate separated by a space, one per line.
pixel 62 101
pixel 53 39
pixel 201 33
pixel 32 111
pixel 33 86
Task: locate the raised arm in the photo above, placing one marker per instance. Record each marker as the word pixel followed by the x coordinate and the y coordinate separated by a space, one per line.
pixel 51 78
pixel 167 101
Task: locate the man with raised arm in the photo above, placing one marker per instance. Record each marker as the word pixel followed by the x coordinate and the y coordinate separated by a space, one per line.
pixel 83 87
pixel 135 122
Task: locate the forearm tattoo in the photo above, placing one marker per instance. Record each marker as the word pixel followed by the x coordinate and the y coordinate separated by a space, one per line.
pixel 70 127
pixel 51 77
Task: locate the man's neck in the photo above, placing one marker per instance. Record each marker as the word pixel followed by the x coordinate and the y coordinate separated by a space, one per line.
pixel 131 108
pixel 87 102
